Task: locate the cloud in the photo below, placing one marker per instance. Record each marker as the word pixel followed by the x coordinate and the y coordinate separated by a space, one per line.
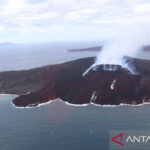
pixel 52 19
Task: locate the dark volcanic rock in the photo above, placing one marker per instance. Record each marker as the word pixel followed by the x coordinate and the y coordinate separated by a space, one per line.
pixel 66 81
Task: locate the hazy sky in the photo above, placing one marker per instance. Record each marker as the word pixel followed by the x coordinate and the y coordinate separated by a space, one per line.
pixel 68 20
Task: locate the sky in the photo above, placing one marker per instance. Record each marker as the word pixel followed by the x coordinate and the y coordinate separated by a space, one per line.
pixel 31 21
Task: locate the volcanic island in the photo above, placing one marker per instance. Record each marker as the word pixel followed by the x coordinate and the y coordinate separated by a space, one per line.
pixel 67 82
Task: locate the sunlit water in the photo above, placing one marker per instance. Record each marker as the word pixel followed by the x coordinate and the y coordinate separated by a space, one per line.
pixel 58 126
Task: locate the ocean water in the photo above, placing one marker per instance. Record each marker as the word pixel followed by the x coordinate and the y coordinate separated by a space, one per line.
pixel 58 126
pixel 26 56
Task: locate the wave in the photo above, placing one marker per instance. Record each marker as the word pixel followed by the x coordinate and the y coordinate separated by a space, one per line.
pixel 32 106
pixel 82 105
pixel 75 105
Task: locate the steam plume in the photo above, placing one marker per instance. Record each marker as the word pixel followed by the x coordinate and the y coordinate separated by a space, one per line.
pixel 128 42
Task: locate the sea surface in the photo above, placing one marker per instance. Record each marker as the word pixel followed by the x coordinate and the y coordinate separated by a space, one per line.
pixel 26 56
pixel 58 126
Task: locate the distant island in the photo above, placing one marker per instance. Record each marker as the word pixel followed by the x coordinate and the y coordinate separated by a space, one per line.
pixel 146 48
pixel 96 48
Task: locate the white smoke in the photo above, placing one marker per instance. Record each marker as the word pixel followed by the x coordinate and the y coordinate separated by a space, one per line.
pixel 128 42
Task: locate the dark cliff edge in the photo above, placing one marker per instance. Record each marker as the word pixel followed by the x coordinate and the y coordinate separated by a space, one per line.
pixel 65 81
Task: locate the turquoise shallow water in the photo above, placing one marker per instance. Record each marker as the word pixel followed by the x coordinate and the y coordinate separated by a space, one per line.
pixel 58 126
